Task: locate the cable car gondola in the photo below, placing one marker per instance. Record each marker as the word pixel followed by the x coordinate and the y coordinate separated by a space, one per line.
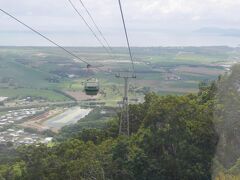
pixel 91 87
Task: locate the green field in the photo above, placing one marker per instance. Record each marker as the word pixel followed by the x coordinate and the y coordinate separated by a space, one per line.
pixel 40 71
pixel 38 93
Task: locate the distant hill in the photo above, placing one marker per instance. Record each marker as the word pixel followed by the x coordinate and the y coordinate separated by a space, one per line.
pixel 219 31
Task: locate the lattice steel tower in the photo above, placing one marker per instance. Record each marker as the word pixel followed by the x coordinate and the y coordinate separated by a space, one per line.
pixel 124 118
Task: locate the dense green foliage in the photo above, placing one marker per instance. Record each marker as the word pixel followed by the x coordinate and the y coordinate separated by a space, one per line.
pixel 226 115
pixel 172 137
pixel 7 153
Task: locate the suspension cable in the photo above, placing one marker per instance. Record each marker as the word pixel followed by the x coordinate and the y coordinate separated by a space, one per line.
pixel 126 34
pixel 51 41
pixel 95 24
pixel 40 34
pixel 89 27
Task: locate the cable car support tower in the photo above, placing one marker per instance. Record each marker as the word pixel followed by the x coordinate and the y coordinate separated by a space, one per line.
pixel 124 117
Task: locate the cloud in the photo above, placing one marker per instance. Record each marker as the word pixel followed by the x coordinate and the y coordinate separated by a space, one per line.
pixel 142 16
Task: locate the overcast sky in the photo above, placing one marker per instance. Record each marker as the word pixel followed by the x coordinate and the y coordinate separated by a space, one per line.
pixel 149 22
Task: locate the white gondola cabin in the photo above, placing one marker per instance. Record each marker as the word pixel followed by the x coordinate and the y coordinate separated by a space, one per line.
pixel 91 87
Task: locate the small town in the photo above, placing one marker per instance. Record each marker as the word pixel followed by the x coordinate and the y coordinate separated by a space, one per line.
pixel 11 132
pixel 20 137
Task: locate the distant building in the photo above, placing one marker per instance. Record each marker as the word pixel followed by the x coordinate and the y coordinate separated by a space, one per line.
pixel 172 77
pixel 47 140
pixel 3 98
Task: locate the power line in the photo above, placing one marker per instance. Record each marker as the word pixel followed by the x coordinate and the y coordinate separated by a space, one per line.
pixel 64 49
pixel 40 34
pixel 126 34
pixel 89 27
pixel 96 26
